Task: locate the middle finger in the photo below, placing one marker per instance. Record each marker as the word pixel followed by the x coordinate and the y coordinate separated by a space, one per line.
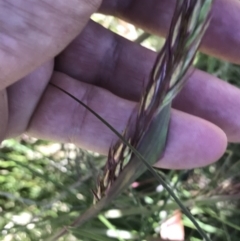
pixel 105 59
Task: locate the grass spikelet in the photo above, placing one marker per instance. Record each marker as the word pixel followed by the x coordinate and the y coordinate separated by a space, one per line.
pixel 143 141
pixel 189 23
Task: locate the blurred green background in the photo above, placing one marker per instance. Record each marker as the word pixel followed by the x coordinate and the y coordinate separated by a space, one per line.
pixel 45 186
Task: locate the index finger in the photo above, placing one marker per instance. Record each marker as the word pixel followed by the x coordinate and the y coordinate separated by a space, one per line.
pixel 222 39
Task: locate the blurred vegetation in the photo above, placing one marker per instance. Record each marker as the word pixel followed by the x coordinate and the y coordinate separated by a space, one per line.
pixel 45 186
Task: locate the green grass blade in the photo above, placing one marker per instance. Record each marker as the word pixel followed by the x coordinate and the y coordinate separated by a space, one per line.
pixel 189 23
pixel 136 167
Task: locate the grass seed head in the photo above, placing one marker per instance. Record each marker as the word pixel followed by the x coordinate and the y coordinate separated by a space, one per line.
pixel 188 25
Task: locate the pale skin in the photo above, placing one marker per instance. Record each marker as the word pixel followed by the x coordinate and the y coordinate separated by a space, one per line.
pixel 108 73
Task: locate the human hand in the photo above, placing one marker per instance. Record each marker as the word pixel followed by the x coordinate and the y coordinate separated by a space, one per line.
pixel 108 73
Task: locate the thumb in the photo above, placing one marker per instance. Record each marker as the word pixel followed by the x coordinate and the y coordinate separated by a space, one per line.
pixel 32 32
